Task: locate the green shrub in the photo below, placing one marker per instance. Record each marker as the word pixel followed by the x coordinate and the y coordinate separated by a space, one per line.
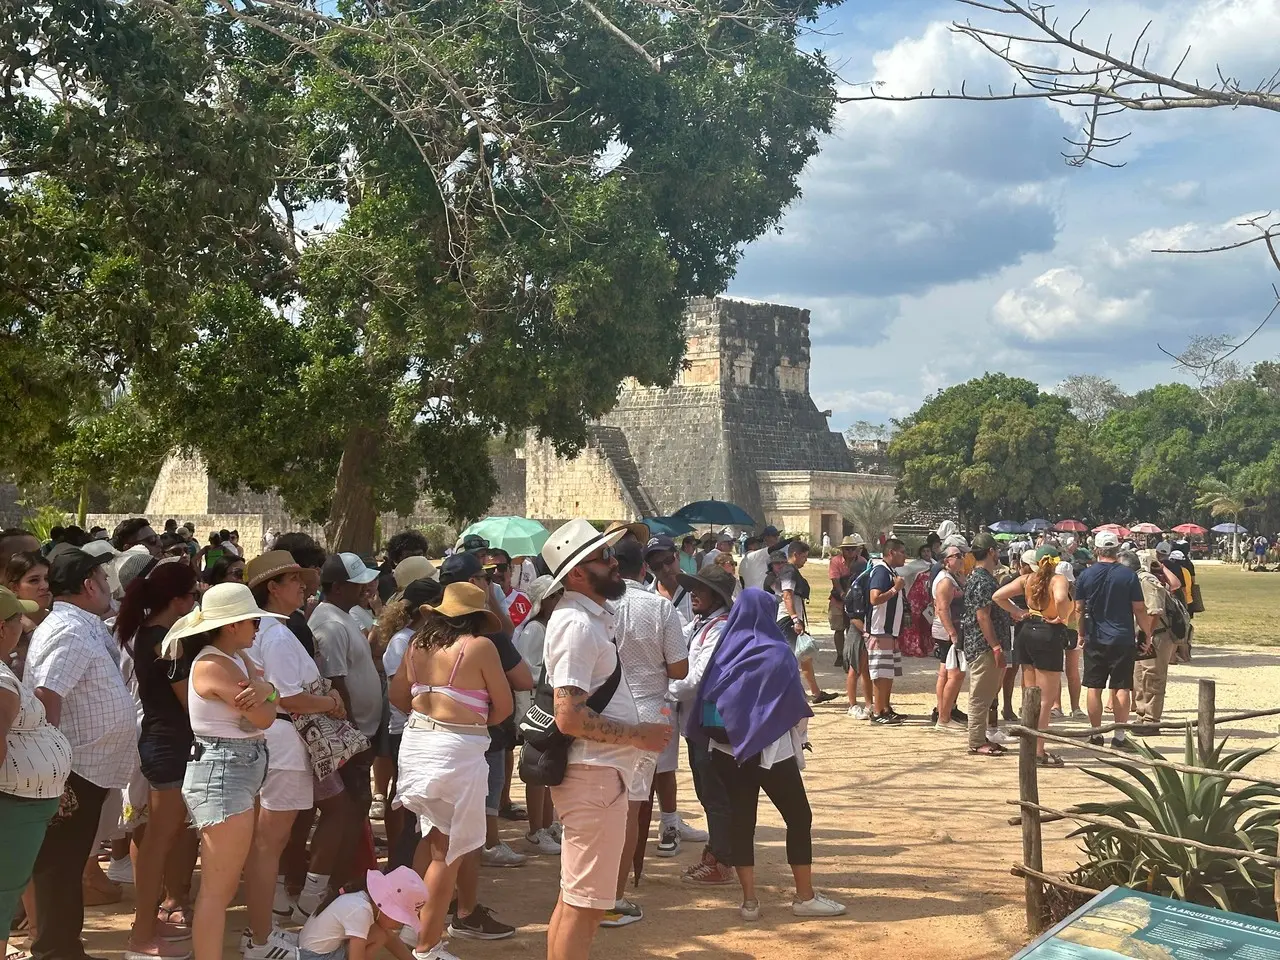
pixel 1194 807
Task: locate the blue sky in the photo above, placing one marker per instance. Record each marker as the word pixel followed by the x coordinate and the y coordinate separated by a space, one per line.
pixel 936 241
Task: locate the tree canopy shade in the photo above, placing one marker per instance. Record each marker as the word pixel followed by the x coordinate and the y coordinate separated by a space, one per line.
pixel 336 248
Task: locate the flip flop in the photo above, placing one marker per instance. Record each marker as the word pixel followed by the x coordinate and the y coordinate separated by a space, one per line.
pixel 1049 760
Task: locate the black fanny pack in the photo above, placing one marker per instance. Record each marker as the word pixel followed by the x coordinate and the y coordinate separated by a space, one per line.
pixel 545 754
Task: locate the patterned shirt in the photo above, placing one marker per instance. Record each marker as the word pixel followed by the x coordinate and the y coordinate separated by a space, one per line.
pixel 37 757
pixel 650 636
pixel 70 656
pixel 979 591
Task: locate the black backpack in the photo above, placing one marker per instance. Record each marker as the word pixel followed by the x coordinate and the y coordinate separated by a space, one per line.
pixel 857 599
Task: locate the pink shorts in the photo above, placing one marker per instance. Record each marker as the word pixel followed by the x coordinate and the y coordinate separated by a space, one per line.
pixel 592 804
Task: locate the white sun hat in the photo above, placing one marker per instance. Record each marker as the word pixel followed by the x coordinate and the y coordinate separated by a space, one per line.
pixel 569 545
pixel 222 604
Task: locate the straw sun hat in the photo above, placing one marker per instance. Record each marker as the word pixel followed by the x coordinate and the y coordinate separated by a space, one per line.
pixel 223 604
pixel 274 563
pixel 463 600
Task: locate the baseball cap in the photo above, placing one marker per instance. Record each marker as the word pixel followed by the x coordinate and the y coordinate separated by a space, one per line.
pixel 769 531
pixel 1047 551
pixel 346 568
pixel 658 544
pixel 422 591
pixel 11 606
pixel 1107 540
pixel 984 541
pixel 1163 547
pixel 474 541
pixel 1065 569
pixel 70 566
pixel 460 568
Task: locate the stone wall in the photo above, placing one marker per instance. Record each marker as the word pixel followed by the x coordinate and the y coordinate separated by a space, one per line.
pixel 510 472
pixel 586 486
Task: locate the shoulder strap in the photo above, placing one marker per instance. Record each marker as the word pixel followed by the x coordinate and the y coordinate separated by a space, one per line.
pixel 600 699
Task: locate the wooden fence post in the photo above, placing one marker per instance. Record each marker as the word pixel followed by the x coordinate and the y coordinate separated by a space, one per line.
pixel 1204 721
pixel 1029 791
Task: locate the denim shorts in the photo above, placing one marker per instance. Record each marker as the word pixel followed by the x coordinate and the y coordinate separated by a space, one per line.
pixel 338 953
pixel 226 778
pixel 164 761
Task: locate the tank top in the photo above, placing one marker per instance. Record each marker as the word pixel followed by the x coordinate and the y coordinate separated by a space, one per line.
pixel 213 718
pixel 476 701
pixel 956 606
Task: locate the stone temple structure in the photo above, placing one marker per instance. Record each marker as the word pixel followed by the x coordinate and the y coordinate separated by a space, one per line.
pixel 738 425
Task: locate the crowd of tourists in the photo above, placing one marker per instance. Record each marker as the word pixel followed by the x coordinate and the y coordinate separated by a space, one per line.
pixel 1101 616
pixel 246 720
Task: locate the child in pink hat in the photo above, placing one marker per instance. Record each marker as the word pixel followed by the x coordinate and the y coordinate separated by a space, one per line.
pixel 354 926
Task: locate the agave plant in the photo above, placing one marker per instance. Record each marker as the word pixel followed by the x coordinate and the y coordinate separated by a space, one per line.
pixel 1194 807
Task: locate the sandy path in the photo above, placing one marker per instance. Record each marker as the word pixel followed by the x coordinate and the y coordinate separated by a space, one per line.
pixel 908 830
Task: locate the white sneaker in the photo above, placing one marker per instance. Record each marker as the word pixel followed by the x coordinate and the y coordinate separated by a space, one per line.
pixel 819 906
pixel 438 952
pixel 378 809
pixel 120 871
pixel 692 834
pixel 281 905
pixel 543 842
pixel 557 831
pixel 286 939
pixel 749 910
pixel 996 735
pixel 500 855
pixel 949 727
pixel 858 712
pixel 271 950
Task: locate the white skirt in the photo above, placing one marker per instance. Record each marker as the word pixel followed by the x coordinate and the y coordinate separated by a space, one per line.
pixel 443 778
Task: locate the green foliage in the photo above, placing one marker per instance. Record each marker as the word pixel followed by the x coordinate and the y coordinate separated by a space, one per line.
pixel 1001 448
pixel 1194 807
pixel 45 518
pixel 523 205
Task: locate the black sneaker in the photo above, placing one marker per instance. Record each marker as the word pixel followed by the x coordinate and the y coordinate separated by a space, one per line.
pixel 1126 745
pixel 825 697
pixel 959 716
pixel 896 715
pixel 933 717
pixel 888 719
pixel 668 842
pixel 481 925
pixel 1009 715
pixel 1097 741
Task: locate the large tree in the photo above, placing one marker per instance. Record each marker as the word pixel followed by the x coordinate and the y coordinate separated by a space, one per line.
pixel 487 214
pixel 1001 448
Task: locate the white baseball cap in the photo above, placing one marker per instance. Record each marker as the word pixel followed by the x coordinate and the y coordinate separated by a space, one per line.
pixel 346 568
pixel 1106 540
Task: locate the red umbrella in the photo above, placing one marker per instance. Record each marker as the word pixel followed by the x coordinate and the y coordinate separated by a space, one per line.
pixel 1070 526
pixel 1190 530
pixel 1119 530
pixel 1145 528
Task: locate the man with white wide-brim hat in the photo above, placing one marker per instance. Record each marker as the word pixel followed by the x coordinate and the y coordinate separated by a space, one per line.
pixel 580 658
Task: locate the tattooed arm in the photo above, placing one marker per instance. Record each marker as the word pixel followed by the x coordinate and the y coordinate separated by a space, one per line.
pixel 576 719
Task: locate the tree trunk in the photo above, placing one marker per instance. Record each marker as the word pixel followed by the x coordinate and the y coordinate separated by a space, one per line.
pixel 82 509
pixel 352 516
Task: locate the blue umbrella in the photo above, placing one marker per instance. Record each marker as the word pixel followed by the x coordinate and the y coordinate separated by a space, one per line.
pixel 715 512
pixel 1007 526
pixel 1035 526
pixel 668 526
pixel 1229 528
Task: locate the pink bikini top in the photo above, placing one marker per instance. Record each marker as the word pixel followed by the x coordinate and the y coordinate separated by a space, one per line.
pixel 475 700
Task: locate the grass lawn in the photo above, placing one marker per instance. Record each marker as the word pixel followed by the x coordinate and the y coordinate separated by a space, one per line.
pixel 1240 607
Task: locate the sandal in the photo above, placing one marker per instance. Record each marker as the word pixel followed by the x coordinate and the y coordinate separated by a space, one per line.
pixel 179 916
pixel 16 953
pixel 513 811
pixel 1049 760
pixel 989 750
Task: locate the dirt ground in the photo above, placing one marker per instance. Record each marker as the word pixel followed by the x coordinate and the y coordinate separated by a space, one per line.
pixel 909 831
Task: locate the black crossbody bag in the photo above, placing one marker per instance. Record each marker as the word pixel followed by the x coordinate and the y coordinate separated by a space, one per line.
pixel 545 754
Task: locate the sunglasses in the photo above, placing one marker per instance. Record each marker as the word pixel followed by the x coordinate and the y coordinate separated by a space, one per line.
pixel 498 568
pixel 665 562
pixel 606 556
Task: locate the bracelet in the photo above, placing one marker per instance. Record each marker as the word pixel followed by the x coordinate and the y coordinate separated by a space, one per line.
pixel 274 695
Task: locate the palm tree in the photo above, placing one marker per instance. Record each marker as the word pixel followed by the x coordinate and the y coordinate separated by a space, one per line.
pixel 1225 499
pixel 872 511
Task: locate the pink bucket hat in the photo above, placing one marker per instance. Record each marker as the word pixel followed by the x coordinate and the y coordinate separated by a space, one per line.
pixel 399 894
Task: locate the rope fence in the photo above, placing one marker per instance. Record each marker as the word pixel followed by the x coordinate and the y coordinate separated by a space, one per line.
pixel 1034 814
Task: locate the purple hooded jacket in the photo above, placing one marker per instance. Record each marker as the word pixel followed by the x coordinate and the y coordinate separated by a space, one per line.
pixel 752 679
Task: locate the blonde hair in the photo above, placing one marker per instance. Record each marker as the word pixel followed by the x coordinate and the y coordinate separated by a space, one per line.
pixel 1039 579
pixel 395 617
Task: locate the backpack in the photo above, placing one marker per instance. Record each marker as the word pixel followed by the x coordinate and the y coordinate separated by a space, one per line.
pixel 1177 618
pixel 857 599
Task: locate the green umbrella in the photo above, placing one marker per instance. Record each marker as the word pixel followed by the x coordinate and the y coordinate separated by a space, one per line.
pixel 519 536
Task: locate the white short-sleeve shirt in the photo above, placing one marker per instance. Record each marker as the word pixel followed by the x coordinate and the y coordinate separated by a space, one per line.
pixel 392 657
pixel 350 915
pixel 580 653
pixel 286 664
pixel 650 636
